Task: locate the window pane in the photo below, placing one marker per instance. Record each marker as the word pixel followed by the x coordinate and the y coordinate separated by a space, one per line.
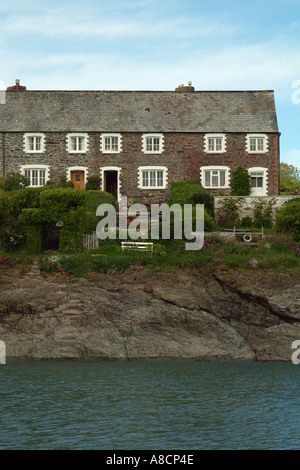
pixel 80 143
pixel 222 178
pixel 207 178
pixel 215 181
pixel 218 144
pixel 252 145
pixel 260 144
pixel 160 178
pixel 38 141
pixel 152 178
pixel 211 146
pixel 27 174
pixel 156 144
pixel 30 143
pixel 114 144
pixel 145 178
pixel 73 143
pixel 259 182
pixel 106 143
pixel 34 177
pixel 42 177
pixel 149 144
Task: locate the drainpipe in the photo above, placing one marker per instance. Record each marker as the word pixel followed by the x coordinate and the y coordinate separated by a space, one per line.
pixel 3 154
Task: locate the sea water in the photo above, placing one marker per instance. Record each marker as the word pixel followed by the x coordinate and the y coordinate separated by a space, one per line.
pixel 149 405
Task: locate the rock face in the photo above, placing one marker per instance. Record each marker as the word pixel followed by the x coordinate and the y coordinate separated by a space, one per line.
pixel 181 315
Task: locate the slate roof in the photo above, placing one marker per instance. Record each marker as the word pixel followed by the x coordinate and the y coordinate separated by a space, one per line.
pixel 139 111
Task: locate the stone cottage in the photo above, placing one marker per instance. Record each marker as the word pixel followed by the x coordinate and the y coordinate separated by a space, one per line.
pixel 139 142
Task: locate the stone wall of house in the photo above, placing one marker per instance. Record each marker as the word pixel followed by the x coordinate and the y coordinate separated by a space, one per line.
pixel 247 203
pixel 183 156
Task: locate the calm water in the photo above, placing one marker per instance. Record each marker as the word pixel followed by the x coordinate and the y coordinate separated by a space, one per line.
pixel 138 405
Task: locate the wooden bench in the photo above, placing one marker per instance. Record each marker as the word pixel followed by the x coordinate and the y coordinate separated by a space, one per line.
pixel 138 246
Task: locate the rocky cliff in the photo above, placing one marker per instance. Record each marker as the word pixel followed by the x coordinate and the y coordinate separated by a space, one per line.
pixel 252 315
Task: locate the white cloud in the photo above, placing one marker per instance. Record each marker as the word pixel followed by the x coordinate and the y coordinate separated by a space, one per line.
pixel 83 25
pixel 238 67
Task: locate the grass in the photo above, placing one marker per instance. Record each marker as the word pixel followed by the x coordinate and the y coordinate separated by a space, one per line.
pixel 276 252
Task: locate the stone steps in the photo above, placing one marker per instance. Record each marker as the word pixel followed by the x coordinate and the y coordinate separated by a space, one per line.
pixel 34 271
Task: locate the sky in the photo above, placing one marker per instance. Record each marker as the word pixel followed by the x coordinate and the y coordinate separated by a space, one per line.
pixel 158 45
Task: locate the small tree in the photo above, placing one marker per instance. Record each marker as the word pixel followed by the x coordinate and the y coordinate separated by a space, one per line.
pixel 14 181
pixel 288 219
pixel 289 178
pixel 240 182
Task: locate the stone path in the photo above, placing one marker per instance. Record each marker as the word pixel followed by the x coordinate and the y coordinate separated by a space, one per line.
pixel 34 271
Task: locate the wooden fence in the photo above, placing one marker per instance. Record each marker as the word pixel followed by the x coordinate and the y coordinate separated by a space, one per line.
pixel 90 241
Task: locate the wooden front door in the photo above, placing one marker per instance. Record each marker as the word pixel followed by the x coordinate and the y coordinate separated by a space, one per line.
pixel 77 178
pixel 111 182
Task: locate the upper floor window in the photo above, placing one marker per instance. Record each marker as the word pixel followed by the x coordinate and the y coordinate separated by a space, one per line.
pixel 34 143
pixel 257 143
pixel 77 143
pixel 152 143
pixel 111 143
pixel 214 177
pixel 215 143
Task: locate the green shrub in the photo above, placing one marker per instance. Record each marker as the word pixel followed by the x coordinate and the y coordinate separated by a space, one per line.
pixel 263 213
pixel 95 198
pixel 184 192
pixel 57 203
pixel 65 184
pixel 12 203
pixel 240 182
pixel 228 213
pixel 12 234
pixel 246 221
pixel 33 222
pixel 14 182
pixel 206 199
pixel 93 183
pixel 288 219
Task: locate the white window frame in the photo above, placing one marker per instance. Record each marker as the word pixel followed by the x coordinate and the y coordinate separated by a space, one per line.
pixel 145 137
pixel 264 189
pixel 34 135
pixel 215 136
pixel 256 137
pixel 38 168
pixel 141 169
pixel 203 169
pixel 110 136
pixel 111 168
pixel 77 135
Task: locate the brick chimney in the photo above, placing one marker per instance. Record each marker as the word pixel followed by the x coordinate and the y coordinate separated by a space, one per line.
pixel 185 88
pixel 16 87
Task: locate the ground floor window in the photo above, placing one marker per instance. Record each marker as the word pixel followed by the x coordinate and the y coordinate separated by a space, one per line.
pixel 37 176
pixel 152 177
pixel 214 177
pixel 259 180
